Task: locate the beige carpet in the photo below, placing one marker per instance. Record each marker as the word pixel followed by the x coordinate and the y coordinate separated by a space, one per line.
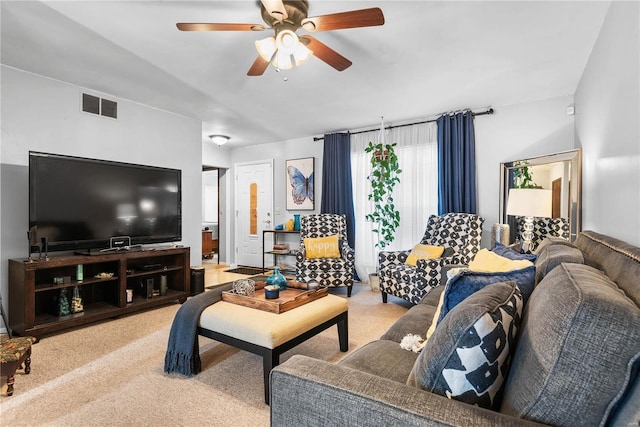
pixel 111 373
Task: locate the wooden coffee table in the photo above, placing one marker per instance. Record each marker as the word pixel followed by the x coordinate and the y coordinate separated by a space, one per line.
pixel 269 334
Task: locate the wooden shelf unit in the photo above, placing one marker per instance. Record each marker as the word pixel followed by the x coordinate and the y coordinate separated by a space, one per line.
pixel 276 234
pixel 33 295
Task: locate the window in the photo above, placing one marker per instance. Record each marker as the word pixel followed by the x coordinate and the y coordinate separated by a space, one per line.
pixel 416 197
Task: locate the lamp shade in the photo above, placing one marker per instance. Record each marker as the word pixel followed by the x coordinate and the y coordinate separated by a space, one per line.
pixel 266 48
pixel 282 60
pixel 301 54
pixel 529 202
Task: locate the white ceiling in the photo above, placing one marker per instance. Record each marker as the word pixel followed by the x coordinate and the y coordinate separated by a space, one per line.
pixel 429 57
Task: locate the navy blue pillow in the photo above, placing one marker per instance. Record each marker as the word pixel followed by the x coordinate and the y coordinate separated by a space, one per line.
pixel 468 282
pixel 509 253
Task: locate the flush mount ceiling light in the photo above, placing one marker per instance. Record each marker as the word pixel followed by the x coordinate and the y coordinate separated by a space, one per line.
pixel 286 49
pixel 219 139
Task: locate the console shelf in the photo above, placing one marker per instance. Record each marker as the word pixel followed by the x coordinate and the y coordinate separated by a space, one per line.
pixel 33 295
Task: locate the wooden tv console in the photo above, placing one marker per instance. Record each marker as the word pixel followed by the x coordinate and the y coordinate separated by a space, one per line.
pixel 33 295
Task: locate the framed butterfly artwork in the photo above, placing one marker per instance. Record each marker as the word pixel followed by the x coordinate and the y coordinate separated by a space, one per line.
pixel 299 191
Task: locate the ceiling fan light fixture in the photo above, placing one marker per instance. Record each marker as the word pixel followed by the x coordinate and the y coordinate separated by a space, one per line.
pixel 266 48
pixel 301 54
pixel 287 41
pixel 219 139
pixel 282 60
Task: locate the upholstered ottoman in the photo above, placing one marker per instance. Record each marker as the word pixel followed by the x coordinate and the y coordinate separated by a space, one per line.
pixel 269 334
pixel 14 352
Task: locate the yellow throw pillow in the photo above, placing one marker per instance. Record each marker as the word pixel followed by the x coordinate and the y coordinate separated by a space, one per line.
pixel 490 262
pixel 423 252
pixel 436 316
pixel 322 247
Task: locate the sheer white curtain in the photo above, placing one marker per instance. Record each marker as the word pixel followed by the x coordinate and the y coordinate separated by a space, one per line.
pixel 416 197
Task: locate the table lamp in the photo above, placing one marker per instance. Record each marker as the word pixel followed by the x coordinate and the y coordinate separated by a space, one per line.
pixel 529 203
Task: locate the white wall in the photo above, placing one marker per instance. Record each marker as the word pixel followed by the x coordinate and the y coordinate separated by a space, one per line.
pixel 516 132
pixel 607 104
pixel 42 114
pixel 210 197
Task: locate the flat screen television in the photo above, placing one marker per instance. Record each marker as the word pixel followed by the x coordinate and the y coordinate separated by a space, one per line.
pixel 82 204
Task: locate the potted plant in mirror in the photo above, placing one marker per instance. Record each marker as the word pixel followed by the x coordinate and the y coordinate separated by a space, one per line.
pixel 522 176
pixel 384 176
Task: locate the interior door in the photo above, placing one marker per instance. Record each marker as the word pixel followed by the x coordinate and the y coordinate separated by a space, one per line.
pixel 254 203
pixel 556 190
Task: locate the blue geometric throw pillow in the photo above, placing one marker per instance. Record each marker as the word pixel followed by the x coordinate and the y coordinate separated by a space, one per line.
pixel 468 356
pixel 468 282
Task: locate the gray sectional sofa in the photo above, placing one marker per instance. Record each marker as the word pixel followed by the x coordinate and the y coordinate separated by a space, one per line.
pixel 575 361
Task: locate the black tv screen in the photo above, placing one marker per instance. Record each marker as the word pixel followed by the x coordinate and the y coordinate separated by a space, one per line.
pixel 79 203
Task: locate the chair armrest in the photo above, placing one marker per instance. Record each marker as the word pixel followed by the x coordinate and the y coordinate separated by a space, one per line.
pixel 427 264
pixel 301 253
pixel 391 258
pixel 307 391
pixel 347 252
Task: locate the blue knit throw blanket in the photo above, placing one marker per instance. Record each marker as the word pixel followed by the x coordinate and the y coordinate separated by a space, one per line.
pixel 183 352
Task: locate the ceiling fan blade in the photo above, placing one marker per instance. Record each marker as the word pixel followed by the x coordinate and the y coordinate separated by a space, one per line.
pixel 210 26
pixel 276 9
pixel 339 21
pixel 325 53
pixel 258 68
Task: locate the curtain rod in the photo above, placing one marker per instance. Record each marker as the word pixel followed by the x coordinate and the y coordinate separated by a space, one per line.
pixel 489 110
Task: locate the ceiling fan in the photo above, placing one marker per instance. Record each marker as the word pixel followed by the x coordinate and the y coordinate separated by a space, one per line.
pixel 286 48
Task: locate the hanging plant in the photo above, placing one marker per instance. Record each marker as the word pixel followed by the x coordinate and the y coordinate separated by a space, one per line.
pixel 384 177
pixel 522 176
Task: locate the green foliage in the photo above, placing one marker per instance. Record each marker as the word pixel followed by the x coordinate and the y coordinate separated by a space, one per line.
pixel 383 178
pixel 522 177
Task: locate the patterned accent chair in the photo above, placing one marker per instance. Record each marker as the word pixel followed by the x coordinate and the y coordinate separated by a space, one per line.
pixel 331 272
pixel 544 227
pixel 459 233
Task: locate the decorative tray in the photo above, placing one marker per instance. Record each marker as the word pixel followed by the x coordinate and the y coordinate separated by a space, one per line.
pixel 289 299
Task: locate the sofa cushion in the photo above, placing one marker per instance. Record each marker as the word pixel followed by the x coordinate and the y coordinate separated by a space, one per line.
pixel 553 255
pixel 433 296
pixel 382 358
pixel 415 321
pixel 619 260
pixel 552 240
pixel 467 357
pixel 467 282
pixel 579 342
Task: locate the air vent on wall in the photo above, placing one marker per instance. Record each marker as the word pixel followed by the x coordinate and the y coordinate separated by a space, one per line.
pixel 109 108
pixel 95 105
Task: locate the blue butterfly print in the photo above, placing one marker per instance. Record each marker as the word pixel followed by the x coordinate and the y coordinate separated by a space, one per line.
pixel 302 187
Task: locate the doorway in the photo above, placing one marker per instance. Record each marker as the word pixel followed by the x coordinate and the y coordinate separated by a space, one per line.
pixel 210 214
pixel 254 205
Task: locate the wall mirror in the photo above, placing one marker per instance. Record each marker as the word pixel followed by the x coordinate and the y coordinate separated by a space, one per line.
pixel 562 174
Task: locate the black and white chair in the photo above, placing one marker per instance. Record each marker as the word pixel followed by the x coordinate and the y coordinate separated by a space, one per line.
pixel 458 233
pixel 330 272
